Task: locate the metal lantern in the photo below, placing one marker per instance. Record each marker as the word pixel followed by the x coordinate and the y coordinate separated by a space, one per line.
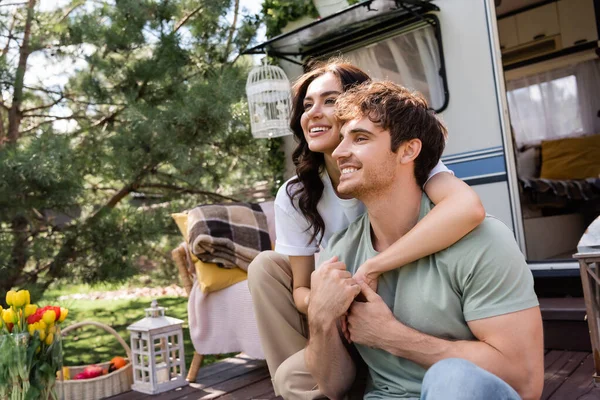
pixel 157 352
pixel 588 254
pixel 269 98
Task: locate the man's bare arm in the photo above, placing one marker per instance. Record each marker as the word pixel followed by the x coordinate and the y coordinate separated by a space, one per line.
pixel 332 292
pixel 510 346
pixel 328 360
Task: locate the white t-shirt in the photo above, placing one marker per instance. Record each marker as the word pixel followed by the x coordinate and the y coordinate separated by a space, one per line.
pixel 291 227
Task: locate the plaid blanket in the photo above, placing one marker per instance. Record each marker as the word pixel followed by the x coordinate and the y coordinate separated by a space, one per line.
pixel 540 189
pixel 230 235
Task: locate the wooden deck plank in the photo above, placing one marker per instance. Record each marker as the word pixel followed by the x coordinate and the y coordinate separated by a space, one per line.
pixel 558 366
pixel 223 365
pixel 239 382
pixel 170 395
pixel 580 384
pixel 230 373
pixel 259 390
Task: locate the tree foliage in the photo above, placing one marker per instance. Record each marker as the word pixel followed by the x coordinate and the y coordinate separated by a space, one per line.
pixel 140 112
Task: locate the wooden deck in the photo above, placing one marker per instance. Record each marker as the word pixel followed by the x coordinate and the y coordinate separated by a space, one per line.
pixel 568 377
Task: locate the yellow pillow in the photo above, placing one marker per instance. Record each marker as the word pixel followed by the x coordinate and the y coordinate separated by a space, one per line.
pixel 571 158
pixel 210 276
pixel 181 221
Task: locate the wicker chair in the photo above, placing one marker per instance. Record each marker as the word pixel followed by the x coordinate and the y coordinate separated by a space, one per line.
pixel 180 258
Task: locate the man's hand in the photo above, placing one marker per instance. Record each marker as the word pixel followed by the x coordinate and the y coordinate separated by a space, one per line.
pixel 332 291
pixel 367 320
pixel 364 274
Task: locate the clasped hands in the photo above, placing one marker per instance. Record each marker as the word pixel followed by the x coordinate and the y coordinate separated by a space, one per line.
pixel 333 297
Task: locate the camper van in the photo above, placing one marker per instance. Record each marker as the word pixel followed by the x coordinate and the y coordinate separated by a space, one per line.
pixel 517 82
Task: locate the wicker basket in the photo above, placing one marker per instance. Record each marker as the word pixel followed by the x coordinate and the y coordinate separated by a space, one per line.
pixel 111 384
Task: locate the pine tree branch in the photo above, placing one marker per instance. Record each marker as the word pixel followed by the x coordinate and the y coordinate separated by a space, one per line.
pixel 10 32
pixel 186 18
pixel 42 107
pixel 69 11
pixel 13 4
pixel 181 189
pixel 231 30
pixel 14 114
pixel 49 121
pixel 68 250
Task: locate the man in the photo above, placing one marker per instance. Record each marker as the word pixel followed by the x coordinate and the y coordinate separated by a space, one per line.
pixel 462 323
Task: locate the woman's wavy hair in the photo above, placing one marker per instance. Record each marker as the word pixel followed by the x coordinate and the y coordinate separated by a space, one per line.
pixel 309 164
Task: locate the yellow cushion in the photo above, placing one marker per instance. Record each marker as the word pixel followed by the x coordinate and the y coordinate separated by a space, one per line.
pixel 571 158
pixel 181 221
pixel 210 276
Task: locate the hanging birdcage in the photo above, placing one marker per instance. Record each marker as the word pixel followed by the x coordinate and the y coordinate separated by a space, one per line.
pixel 269 99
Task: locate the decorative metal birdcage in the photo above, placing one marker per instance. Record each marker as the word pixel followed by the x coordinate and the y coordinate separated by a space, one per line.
pixel 269 100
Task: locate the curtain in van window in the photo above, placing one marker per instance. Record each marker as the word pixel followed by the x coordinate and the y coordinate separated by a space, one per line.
pixel 588 87
pixel 555 104
pixel 410 59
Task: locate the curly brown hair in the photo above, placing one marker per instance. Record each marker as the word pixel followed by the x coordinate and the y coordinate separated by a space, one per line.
pixel 404 113
pixel 307 186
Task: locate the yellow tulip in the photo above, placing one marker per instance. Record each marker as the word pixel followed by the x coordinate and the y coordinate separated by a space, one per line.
pixel 42 334
pixel 27 296
pixel 49 317
pixel 31 329
pixel 49 339
pixel 10 297
pixel 19 299
pixel 9 316
pixel 52 329
pixel 30 309
pixel 41 324
pixel 63 314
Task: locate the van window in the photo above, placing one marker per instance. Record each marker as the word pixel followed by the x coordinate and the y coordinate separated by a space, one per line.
pixel 544 109
pixel 555 104
pixel 411 59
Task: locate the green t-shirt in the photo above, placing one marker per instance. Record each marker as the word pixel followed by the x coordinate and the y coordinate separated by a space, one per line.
pixel 482 275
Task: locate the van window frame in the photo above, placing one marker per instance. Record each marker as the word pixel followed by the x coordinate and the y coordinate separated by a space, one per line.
pixel 389 33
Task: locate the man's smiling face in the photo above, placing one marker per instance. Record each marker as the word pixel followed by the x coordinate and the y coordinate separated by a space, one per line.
pixel 365 158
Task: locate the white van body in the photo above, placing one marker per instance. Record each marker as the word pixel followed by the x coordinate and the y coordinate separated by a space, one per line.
pixel 480 149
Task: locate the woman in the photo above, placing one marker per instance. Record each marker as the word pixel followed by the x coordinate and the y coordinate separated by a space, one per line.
pixel 308 211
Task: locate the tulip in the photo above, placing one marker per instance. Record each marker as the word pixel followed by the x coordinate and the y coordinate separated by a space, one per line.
pixel 10 297
pixel 63 314
pixel 42 333
pixel 49 339
pixel 19 299
pixel 31 329
pixel 27 296
pixel 9 316
pixel 49 317
pixel 30 309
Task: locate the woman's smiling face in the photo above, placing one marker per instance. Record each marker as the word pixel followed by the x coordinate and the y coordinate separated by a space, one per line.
pixel 320 127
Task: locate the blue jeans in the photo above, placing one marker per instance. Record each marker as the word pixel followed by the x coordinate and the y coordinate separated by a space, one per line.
pixel 458 379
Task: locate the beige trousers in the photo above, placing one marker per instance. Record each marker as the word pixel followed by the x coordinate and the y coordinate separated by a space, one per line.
pixel 283 330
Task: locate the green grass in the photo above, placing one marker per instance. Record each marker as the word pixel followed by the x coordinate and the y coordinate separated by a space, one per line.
pixel 90 345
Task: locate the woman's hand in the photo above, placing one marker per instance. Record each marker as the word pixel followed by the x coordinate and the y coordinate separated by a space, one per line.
pixel 365 274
